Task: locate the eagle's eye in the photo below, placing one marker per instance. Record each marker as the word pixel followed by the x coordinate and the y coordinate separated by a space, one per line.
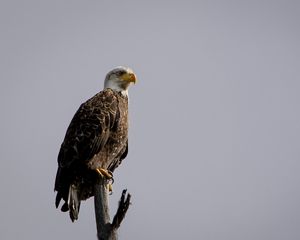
pixel 121 72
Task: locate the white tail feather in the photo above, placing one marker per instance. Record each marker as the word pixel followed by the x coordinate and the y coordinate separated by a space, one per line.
pixel 73 202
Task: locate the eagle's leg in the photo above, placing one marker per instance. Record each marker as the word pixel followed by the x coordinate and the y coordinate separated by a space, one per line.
pixel 108 175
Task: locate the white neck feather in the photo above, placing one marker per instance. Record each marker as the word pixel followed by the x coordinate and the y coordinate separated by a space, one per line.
pixel 114 86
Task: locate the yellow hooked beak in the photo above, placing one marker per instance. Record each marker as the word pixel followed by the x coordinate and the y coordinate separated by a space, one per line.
pixel 129 77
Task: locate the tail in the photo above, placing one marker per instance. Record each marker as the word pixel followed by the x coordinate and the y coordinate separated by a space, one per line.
pixel 74 202
pixel 62 186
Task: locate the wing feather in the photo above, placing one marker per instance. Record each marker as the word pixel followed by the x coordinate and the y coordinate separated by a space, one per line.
pixel 86 135
pixel 89 129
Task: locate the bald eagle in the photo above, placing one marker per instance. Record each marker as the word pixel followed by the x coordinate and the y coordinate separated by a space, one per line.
pixel 95 143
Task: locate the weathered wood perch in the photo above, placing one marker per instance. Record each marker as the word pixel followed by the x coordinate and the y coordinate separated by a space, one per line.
pixel 105 229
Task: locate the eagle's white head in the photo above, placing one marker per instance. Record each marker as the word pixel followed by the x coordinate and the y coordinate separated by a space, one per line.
pixel 119 79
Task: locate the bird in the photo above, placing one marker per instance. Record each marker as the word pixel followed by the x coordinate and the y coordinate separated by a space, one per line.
pixel 95 143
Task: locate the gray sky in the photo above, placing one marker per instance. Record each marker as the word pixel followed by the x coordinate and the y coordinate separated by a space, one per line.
pixel 215 118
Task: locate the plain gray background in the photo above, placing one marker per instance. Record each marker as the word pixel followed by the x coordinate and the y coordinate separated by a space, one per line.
pixel 215 119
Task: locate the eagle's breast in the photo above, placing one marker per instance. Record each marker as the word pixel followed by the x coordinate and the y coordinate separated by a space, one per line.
pixel 116 132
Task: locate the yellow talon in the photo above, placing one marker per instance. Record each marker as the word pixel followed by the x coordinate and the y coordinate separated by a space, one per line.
pixel 104 173
pixel 109 186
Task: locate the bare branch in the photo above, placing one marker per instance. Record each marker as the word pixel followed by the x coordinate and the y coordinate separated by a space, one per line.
pixel 122 209
pixel 105 229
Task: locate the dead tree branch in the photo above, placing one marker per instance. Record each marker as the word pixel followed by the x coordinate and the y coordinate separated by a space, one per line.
pixel 105 229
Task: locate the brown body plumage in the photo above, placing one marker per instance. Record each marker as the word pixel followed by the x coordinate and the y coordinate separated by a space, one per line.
pixel 96 138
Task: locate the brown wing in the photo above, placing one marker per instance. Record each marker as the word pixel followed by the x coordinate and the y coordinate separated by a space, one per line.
pixel 86 135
